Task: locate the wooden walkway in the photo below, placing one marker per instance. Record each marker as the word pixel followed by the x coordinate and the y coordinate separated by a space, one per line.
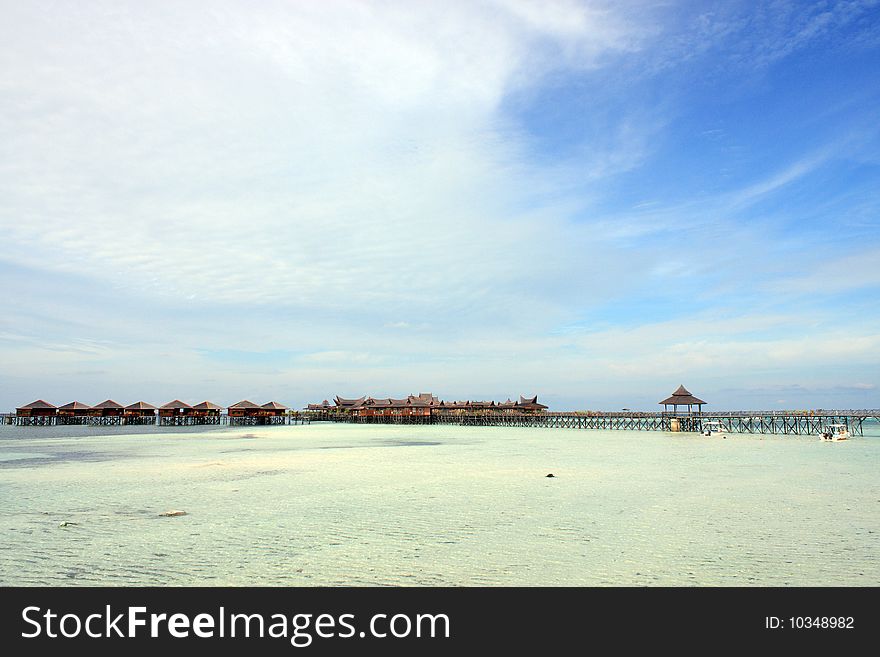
pixel 755 422
pixel 812 423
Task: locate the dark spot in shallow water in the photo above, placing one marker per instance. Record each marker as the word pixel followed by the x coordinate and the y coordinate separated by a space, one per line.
pixel 411 443
pixel 56 457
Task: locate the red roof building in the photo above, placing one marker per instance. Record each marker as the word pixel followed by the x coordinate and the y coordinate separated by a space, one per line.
pixel 38 408
pixel 109 408
pixel 244 408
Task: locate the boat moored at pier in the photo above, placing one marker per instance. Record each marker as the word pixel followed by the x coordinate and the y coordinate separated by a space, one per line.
pixel 836 433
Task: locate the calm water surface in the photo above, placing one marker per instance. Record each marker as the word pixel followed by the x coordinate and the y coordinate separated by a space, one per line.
pixel 394 505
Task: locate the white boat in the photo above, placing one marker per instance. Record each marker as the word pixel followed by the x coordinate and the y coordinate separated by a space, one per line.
pixel 835 433
pixel 713 430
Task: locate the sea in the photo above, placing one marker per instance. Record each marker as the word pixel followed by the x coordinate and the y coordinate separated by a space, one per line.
pixel 365 505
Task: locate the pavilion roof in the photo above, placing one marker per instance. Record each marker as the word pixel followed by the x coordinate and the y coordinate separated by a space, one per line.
pixel 682 397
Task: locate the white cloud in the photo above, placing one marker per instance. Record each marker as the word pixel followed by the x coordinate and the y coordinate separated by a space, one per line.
pixel 287 153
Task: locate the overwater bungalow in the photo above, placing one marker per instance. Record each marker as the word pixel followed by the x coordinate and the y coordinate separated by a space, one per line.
pixel 682 397
pixel 76 409
pixel 244 408
pixel 38 408
pixel 273 409
pixel 207 409
pixel 323 406
pixel 109 408
pixel 140 411
pixel 176 408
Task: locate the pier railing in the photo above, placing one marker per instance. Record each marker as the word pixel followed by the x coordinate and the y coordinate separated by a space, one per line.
pixel 758 422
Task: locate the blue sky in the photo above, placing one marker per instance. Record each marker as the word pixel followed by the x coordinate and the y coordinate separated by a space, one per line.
pixel 592 202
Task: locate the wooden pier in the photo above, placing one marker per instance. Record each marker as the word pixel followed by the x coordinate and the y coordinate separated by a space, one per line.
pixel 803 423
pixel 809 423
pixel 163 421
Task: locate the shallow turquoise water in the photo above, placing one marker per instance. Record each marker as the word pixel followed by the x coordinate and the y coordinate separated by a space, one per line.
pixel 394 505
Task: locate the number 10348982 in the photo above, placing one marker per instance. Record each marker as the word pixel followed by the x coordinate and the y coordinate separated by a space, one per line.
pixel 810 622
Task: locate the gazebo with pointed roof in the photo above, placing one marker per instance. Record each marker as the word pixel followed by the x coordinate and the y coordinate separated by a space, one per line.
pixel 682 397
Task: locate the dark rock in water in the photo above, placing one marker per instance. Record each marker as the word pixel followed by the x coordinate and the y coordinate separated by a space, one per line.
pixel 551 475
pixel 172 514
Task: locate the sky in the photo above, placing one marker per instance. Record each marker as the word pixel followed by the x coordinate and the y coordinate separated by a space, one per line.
pixel 592 202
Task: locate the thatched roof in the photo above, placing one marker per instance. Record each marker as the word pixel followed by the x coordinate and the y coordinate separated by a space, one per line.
pixel 175 404
pixel 682 397
pixel 207 406
pixel 109 403
pixel 37 404
pixel 140 406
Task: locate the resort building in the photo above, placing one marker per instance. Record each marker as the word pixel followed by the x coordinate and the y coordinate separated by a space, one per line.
pixel 174 408
pixel 76 409
pixel 38 408
pixel 244 408
pixel 423 405
pixel 273 409
pixel 174 413
pixel 109 408
pixel 207 410
pixel 140 413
